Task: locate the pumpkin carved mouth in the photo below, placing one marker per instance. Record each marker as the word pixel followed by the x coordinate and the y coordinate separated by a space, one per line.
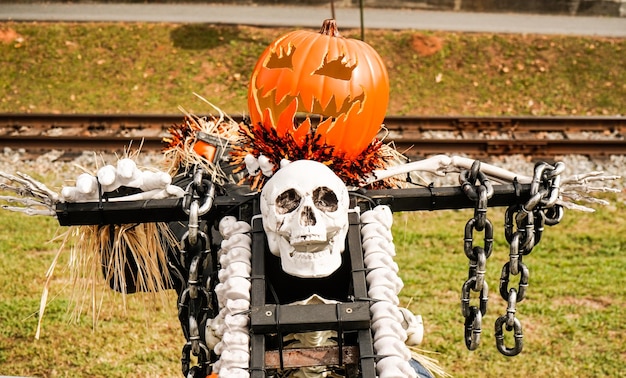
pixel 293 112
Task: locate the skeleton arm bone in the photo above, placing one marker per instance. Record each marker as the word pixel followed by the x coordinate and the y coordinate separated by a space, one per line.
pixel 574 188
pixel 441 165
pixel 154 185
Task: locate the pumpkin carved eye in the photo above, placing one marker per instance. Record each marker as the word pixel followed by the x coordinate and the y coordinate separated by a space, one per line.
pixel 281 58
pixel 337 68
pixel 341 83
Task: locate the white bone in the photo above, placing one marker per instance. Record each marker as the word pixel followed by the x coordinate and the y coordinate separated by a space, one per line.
pixel 237 358
pixel 376 230
pixel 392 345
pixel 229 226
pixel 236 321
pixel 414 327
pixel 237 240
pixel 267 168
pixel 380 214
pixel 236 255
pixel 442 164
pixel 385 311
pixel 86 184
pixel 235 269
pixel 252 164
pixel 107 176
pixel 386 278
pixel 313 339
pixel 127 170
pixel 154 180
pixel 378 244
pixel 380 259
pixel 308 237
pixel 382 293
pixel 233 294
pixel 237 288
pixel 233 372
pixel 236 341
pixel 385 328
pixel 72 194
pixel 236 306
pixel 210 336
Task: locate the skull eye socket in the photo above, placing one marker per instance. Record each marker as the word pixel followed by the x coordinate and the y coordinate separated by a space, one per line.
pixel 325 199
pixel 288 201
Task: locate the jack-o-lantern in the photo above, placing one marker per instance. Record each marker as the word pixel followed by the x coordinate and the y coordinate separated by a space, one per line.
pixel 339 85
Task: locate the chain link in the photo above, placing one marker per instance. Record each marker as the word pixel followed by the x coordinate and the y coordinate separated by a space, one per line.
pixel 195 302
pixel 523 228
pixel 476 254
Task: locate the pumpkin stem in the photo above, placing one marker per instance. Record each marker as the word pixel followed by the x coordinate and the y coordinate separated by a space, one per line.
pixel 329 27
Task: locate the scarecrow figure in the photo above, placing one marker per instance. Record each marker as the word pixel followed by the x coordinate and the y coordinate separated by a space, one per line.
pixel 277 225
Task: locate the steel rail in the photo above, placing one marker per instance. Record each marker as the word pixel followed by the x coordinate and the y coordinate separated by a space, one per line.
pixel 79 132
pixel 399 123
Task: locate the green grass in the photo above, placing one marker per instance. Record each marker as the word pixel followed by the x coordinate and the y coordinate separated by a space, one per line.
pixel 126 342
pixel 573 316
pixel 154 68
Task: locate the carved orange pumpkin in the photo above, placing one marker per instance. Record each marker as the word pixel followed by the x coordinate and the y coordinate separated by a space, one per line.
pixel 339 85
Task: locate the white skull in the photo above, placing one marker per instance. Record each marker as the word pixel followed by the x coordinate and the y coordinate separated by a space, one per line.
pixel 305 216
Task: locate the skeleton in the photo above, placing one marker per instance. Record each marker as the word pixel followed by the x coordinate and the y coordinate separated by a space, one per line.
pixel 35 198
pixel 305 208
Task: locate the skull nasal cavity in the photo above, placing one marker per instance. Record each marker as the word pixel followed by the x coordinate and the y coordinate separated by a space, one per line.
pixel 307 218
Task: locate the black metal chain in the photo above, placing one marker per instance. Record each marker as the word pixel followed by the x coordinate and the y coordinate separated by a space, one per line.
pixel 476 254
pixel 523 228
pixel 195 302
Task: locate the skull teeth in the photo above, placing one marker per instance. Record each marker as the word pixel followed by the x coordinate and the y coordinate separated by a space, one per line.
pixel 304 255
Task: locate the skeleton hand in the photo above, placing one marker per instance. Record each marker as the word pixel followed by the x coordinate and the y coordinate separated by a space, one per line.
pixel 580 187
pixel 154 185
pixel 34 196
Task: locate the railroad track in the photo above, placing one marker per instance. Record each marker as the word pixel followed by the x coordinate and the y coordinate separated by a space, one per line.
pixel 418 136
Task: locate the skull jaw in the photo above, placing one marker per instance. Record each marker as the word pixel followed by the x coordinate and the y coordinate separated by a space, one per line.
pixel 308 259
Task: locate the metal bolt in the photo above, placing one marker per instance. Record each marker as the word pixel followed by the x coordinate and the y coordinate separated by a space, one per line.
pixel 268 313
pixel 349 310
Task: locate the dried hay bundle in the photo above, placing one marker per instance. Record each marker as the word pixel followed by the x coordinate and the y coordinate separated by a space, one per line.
pixel 129 257
pixel 186 149
pixel 429 363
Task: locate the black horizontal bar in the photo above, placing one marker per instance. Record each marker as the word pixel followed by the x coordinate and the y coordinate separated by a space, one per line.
pixel 445 198
pixel 285 318
pixel 168 210
pixel 124 212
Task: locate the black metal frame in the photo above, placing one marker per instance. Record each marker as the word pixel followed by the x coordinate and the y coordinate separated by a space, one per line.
pixel 266 318
pixel 168 210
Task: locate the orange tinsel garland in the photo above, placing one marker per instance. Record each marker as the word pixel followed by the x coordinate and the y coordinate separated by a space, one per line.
pixel 266 141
